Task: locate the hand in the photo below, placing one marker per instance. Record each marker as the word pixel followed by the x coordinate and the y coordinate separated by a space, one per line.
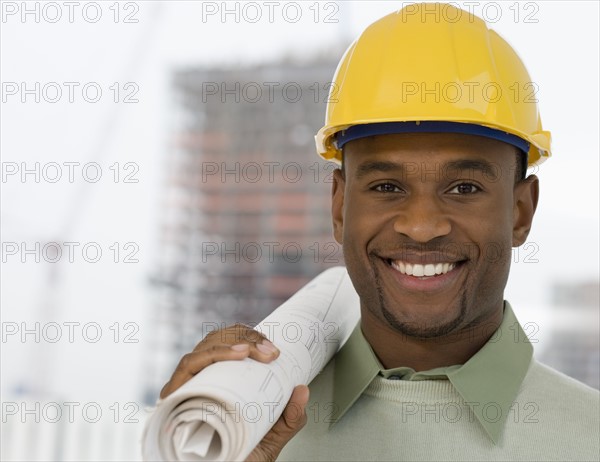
pixel 291 422
pixel 235 343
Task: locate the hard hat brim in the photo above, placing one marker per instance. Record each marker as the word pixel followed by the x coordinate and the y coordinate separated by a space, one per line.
pixel 389 128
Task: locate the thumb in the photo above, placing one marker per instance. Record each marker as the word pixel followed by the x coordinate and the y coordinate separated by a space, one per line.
pixel 291 422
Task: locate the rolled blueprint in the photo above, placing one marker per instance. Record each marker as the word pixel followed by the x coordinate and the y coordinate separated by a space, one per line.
pixel 224 411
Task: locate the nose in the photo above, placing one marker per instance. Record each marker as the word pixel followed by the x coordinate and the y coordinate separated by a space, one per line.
pixel 422 218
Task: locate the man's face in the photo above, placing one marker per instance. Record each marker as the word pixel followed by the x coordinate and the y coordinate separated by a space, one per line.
pixel 427 223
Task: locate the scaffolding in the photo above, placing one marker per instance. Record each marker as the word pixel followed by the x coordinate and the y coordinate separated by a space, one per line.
pixel 246 220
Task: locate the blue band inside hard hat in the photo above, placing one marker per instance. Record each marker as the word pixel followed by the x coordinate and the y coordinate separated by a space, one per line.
pixel 388 128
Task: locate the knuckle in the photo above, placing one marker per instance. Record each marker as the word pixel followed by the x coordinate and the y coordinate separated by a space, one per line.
pixel 240 332
pixel 210 336
pixel 184 362
pixel 271 450
pixel 252 335
pixel 213 349
pixel 245 332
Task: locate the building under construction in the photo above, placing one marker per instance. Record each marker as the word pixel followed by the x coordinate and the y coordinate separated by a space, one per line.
pixel 246 218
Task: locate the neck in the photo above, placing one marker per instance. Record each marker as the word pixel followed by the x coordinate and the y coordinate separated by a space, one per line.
pixel 396 349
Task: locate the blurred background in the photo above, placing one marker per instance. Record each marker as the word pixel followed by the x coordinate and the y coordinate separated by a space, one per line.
pixel 159 179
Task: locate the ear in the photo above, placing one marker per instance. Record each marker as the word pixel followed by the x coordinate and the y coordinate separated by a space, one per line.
pixel 337 205
pixel 526 194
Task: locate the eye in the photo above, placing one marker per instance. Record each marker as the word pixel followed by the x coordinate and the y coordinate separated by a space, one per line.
pixel 386 188
pixel 464 188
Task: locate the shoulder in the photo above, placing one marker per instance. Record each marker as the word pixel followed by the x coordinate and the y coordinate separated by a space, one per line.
pixel 551 381
pixel 561 396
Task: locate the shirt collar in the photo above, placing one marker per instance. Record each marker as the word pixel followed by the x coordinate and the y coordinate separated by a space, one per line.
pixel 493 375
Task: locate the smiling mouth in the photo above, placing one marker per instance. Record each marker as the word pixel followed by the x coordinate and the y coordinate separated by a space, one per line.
pixel 422 271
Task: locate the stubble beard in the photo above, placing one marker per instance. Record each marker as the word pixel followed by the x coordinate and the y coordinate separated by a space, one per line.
pixel 416 330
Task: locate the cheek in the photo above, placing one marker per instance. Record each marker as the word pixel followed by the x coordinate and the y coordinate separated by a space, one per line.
pixel 360 269
pixel 360 229
pixel 361 225
pixel 492 231
pixel 355 238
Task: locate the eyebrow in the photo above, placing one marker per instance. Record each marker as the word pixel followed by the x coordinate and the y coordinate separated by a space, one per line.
pixel 483 166
pixel 378 166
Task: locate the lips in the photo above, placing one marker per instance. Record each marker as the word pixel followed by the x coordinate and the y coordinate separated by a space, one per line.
pixel 425 273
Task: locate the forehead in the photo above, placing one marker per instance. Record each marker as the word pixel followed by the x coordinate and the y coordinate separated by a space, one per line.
pixel 427 148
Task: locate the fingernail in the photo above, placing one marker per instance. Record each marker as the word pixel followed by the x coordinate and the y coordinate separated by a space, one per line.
pixel 266 347
pixel 240 347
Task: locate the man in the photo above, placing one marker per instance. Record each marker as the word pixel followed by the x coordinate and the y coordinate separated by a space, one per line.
pixel 430 199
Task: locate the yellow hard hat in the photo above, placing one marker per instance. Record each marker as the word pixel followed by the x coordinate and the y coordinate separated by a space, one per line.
pixel 432 67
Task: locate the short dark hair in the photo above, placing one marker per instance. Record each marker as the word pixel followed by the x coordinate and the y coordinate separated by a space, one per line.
pixel 521 167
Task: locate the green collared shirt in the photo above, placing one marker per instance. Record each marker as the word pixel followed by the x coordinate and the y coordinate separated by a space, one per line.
pixel 493 374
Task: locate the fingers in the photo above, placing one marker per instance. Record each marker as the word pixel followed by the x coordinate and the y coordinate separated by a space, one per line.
pixel 232 335
pixel 264 352
pixel 245 342
pixel 294 415
pixel 261 349
pixel 192 363
pixel 291 422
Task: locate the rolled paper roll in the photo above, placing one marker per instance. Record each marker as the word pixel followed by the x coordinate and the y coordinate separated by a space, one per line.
pixel 223 412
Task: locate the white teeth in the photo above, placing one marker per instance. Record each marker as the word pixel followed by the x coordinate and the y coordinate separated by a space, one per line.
pixel 418 271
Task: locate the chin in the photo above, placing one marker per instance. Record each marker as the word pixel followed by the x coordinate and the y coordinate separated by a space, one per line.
pixel 423 321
